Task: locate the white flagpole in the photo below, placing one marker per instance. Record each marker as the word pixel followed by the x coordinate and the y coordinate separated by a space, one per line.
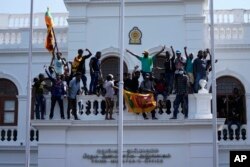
pixel 120 126
pixel 28 110
pixel 214 94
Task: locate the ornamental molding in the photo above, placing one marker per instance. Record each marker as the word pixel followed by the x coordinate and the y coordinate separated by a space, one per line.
pixel 241 78
pixel 114 52
pixel 78 20
pixel 10 77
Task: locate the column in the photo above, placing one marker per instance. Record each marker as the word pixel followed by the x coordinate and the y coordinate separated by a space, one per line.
pixel 22 118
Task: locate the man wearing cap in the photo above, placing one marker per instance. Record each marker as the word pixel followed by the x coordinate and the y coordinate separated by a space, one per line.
pixel 181 86
pixel 109 96
pixel 146 60
pixel 179 61
pixel 147 86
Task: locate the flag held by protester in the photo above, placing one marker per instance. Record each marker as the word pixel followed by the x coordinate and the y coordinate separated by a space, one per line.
pixel 48 19
pixel 139 103
pixel 49 41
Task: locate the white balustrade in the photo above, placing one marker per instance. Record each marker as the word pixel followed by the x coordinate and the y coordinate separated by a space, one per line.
pixel 22 20
pixel 236 16
pixel 92 107
pixel 226 33
pixel 8 135
pixel 15 37
pixel 234 135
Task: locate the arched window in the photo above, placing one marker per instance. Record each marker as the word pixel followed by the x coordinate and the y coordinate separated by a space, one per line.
pixel 225 88
pixel 111 65
pixel 8 102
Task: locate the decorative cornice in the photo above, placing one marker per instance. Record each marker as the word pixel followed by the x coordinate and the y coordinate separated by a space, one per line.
pixel 77 20
pixel 26 50
pixel 190 18
pixel 232 46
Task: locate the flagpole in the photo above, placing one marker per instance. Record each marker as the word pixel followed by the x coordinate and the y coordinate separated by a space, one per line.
pixel 214 94
pixel 120 126
pixel 55 40
pixel 28 110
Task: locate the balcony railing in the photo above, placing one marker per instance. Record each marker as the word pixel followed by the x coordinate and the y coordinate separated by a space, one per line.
pixel 18 38
pixel 225 135
pixel 15 21
pixel 9 136
pixel 234 16
pixel 92 108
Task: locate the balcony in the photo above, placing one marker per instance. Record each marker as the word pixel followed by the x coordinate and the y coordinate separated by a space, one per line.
pixel 231 27
pixel 14 31
pixel 17 21
pixel 91 111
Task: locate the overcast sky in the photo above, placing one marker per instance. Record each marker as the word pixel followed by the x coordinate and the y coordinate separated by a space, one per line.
pixel 23 6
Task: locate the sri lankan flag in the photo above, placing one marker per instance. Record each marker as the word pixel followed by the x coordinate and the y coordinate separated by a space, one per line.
pixel 49 41
pixel 139 103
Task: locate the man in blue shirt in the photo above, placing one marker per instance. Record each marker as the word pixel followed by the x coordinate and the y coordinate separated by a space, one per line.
pixel 74 90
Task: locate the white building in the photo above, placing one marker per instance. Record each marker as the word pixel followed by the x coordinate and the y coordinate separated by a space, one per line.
pixel 149 24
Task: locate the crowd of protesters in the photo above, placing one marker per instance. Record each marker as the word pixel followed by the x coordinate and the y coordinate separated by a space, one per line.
pixel 181 76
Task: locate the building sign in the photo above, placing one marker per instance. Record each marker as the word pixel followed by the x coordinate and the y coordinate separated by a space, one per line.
pixel 129 156
pixel 135 36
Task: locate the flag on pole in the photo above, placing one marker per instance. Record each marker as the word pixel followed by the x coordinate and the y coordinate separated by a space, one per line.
pixel 48 19
pixel 49 41
pixel 139 103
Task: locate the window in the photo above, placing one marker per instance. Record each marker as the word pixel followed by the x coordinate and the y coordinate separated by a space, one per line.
pixel 111 65
pixel 8 102
pixel 225 87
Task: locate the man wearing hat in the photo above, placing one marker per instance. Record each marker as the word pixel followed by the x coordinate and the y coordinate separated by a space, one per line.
pixel 179 61
pixel 146 60
pixel 147 86
pixel 109 96
pixel 181 86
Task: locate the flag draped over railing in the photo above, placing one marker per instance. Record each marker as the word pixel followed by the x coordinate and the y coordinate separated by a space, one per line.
pixel 139 103
pixel 50 39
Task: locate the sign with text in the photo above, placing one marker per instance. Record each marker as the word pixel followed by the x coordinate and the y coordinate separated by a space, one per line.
pixel 129 156
pixel 239 158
